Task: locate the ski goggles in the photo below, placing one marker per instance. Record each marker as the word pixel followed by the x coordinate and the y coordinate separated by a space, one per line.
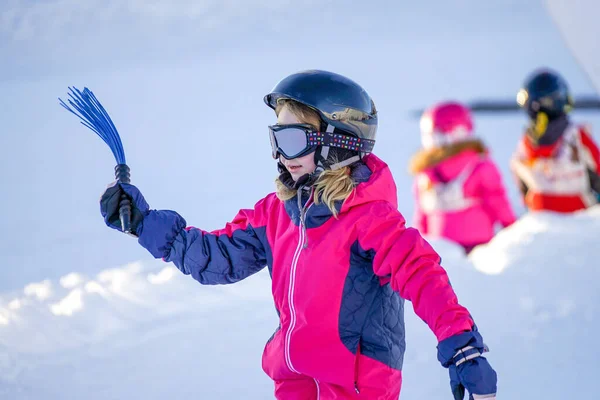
pixel 297 140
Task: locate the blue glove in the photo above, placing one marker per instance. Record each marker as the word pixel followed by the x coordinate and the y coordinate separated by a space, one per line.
pixel 109 206
pixel 462 355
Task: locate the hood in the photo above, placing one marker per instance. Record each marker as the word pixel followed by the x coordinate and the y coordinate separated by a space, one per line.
pixel 432 157
pixel 380 185
pixel 450 168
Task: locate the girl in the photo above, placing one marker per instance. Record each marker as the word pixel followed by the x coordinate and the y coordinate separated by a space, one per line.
pixel 557 163
pixel 338 251
pixel 459 191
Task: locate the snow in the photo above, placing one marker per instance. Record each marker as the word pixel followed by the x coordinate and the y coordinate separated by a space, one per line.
pixel 138 331
pixel 145 330
pixel 84 311
pixel 577 21
pixel 533 293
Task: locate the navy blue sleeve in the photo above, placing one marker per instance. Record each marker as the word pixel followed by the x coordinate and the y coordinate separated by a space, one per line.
pixel 212 258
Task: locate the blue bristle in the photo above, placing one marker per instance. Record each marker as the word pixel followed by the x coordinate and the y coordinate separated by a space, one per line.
pixel 91 113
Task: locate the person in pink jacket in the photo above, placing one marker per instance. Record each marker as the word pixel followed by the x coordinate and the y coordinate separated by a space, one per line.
pixel 458 188
pixel 339 253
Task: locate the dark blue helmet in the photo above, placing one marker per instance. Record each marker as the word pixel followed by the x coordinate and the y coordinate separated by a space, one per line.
pixel 545 91
pixel 339 101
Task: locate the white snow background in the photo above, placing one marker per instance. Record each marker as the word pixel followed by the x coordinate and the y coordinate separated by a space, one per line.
pixel 84 311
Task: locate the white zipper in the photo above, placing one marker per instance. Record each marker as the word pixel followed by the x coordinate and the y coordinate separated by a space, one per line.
pixel 288 336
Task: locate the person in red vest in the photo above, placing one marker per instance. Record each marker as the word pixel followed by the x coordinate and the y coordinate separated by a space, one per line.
pixel 556 163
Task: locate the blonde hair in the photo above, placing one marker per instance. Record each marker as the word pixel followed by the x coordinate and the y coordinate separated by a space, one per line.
pixel 331 185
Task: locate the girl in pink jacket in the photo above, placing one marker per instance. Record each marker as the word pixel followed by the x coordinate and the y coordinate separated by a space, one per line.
pixel 339 253
pixel 458 188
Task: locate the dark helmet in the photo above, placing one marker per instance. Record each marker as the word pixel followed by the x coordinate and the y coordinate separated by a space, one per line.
pixel 547 92
pixel 340 102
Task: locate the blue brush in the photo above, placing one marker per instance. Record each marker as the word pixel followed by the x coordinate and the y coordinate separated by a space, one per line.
pixel 92 115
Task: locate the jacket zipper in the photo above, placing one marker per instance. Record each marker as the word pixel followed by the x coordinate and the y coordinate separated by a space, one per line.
pixel 301 244
pixel 303 212
pixel 291 302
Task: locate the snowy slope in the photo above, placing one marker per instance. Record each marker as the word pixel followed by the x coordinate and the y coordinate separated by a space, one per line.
pixel 144 330
pixel 578 23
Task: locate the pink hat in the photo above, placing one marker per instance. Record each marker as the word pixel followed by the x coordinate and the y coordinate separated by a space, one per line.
pixel 445 123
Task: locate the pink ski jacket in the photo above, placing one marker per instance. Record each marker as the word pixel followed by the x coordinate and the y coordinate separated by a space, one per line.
pixel 338 283
pixel 461 198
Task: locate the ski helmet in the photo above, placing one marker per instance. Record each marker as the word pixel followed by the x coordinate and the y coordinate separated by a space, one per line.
pixel 343 105
pixel 545 91
pixel 445 123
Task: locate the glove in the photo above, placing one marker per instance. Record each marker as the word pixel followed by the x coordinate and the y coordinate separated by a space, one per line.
pixel 477 376
pixel 109 206
pixel 462 355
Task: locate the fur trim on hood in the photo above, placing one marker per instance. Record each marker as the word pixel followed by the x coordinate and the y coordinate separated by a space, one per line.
pixel 430 158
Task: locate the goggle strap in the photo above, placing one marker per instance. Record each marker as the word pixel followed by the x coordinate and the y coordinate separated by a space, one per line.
pixel 325 149
pixel 325 152
pixel 340 140
pixel 344 163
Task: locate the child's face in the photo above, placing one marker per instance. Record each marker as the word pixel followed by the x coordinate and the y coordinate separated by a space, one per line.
pixel 300 166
